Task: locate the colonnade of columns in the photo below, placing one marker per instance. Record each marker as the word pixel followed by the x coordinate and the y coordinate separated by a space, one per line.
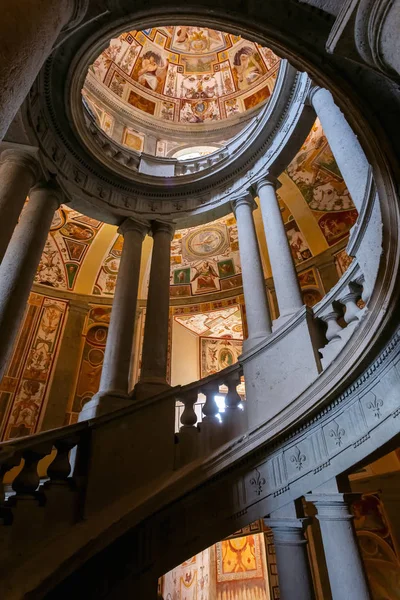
pixel 347 577
pixel 21 246
pixel 354 167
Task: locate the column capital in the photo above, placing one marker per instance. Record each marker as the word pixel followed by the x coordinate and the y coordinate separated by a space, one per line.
pixel 22 158
pixel 158 226
pixel 288 531
pixel 133 225
pixel 333 506
pixel 52 191
pixel 264 181
pixel 243 199
pixel 311 93
pixel 78 9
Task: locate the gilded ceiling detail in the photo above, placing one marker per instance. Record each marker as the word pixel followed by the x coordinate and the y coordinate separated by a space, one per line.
pixel 186 74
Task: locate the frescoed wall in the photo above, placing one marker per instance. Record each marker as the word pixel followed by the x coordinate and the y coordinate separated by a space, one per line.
pixel 377 547
pixel 317 176
pixel 67 244
pixel 233 569
pixel 94 343
pixel 217 354
pixel 107 277
pixel 190 580
pixel 25 385
pixel 184 74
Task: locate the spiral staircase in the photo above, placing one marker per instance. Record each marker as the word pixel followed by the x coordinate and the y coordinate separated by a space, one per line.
pixel 107 505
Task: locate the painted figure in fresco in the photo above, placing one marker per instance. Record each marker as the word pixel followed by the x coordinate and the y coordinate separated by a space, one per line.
pixel 246 67
pixel 225 358
pixel 197 39
pixel 204 276
pixel 77 232
pixel 149 75
pixel 298 247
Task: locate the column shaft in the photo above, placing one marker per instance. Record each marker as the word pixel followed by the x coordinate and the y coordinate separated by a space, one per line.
pixel 345 567
pixel 292 559
pixel 28 31
pixel 19 171
pixel 283 269
pixel 257 310
pixel 20 262
pixel 344 144
pixel 118 353
pixel 155 344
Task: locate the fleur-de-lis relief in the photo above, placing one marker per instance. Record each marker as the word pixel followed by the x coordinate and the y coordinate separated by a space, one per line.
pixel 298 458
pixel 375 405
pixel 337 433
pixel 258 482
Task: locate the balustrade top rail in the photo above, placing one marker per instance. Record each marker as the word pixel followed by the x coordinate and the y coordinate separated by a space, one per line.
pixel 17 446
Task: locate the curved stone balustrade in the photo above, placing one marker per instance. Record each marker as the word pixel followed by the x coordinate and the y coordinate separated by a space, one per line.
pixel 261 473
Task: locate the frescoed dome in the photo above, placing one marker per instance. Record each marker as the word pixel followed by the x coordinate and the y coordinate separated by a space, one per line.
pixel 182 74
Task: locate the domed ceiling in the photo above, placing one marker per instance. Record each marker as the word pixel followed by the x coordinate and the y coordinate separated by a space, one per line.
pixel 184 74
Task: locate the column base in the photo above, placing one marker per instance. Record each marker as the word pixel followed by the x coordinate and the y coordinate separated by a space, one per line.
pixel 103 403
pixel 147 388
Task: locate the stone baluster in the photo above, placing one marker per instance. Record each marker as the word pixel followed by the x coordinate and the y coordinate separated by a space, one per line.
pixel 210 428
pixel 257 310
pixel 345 567
pixel 284 272
pixel 294 573
pixel 25 48
pixel 61 491
pixel 153 375
pixel 353 312
pixel 60 468
pixel 234 418
pixel 343 142
pixel 20 262
pixel 114 382
pixel 334 330
pixel 188 432
pixel 27 481
pixel 19 171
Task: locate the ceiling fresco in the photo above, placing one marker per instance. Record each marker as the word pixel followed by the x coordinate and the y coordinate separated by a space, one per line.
pixel 226 323
pixel 205 259
pixel 186 74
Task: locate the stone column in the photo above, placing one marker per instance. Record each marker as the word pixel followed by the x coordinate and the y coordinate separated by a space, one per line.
pixel 344 144
pixel 19 171
pixel 345 567
pixel 283 270
pixel 28 31
pixel 153 375
pixel 114 382
pixel 254 289
pixel 20 262
pixel 292 561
